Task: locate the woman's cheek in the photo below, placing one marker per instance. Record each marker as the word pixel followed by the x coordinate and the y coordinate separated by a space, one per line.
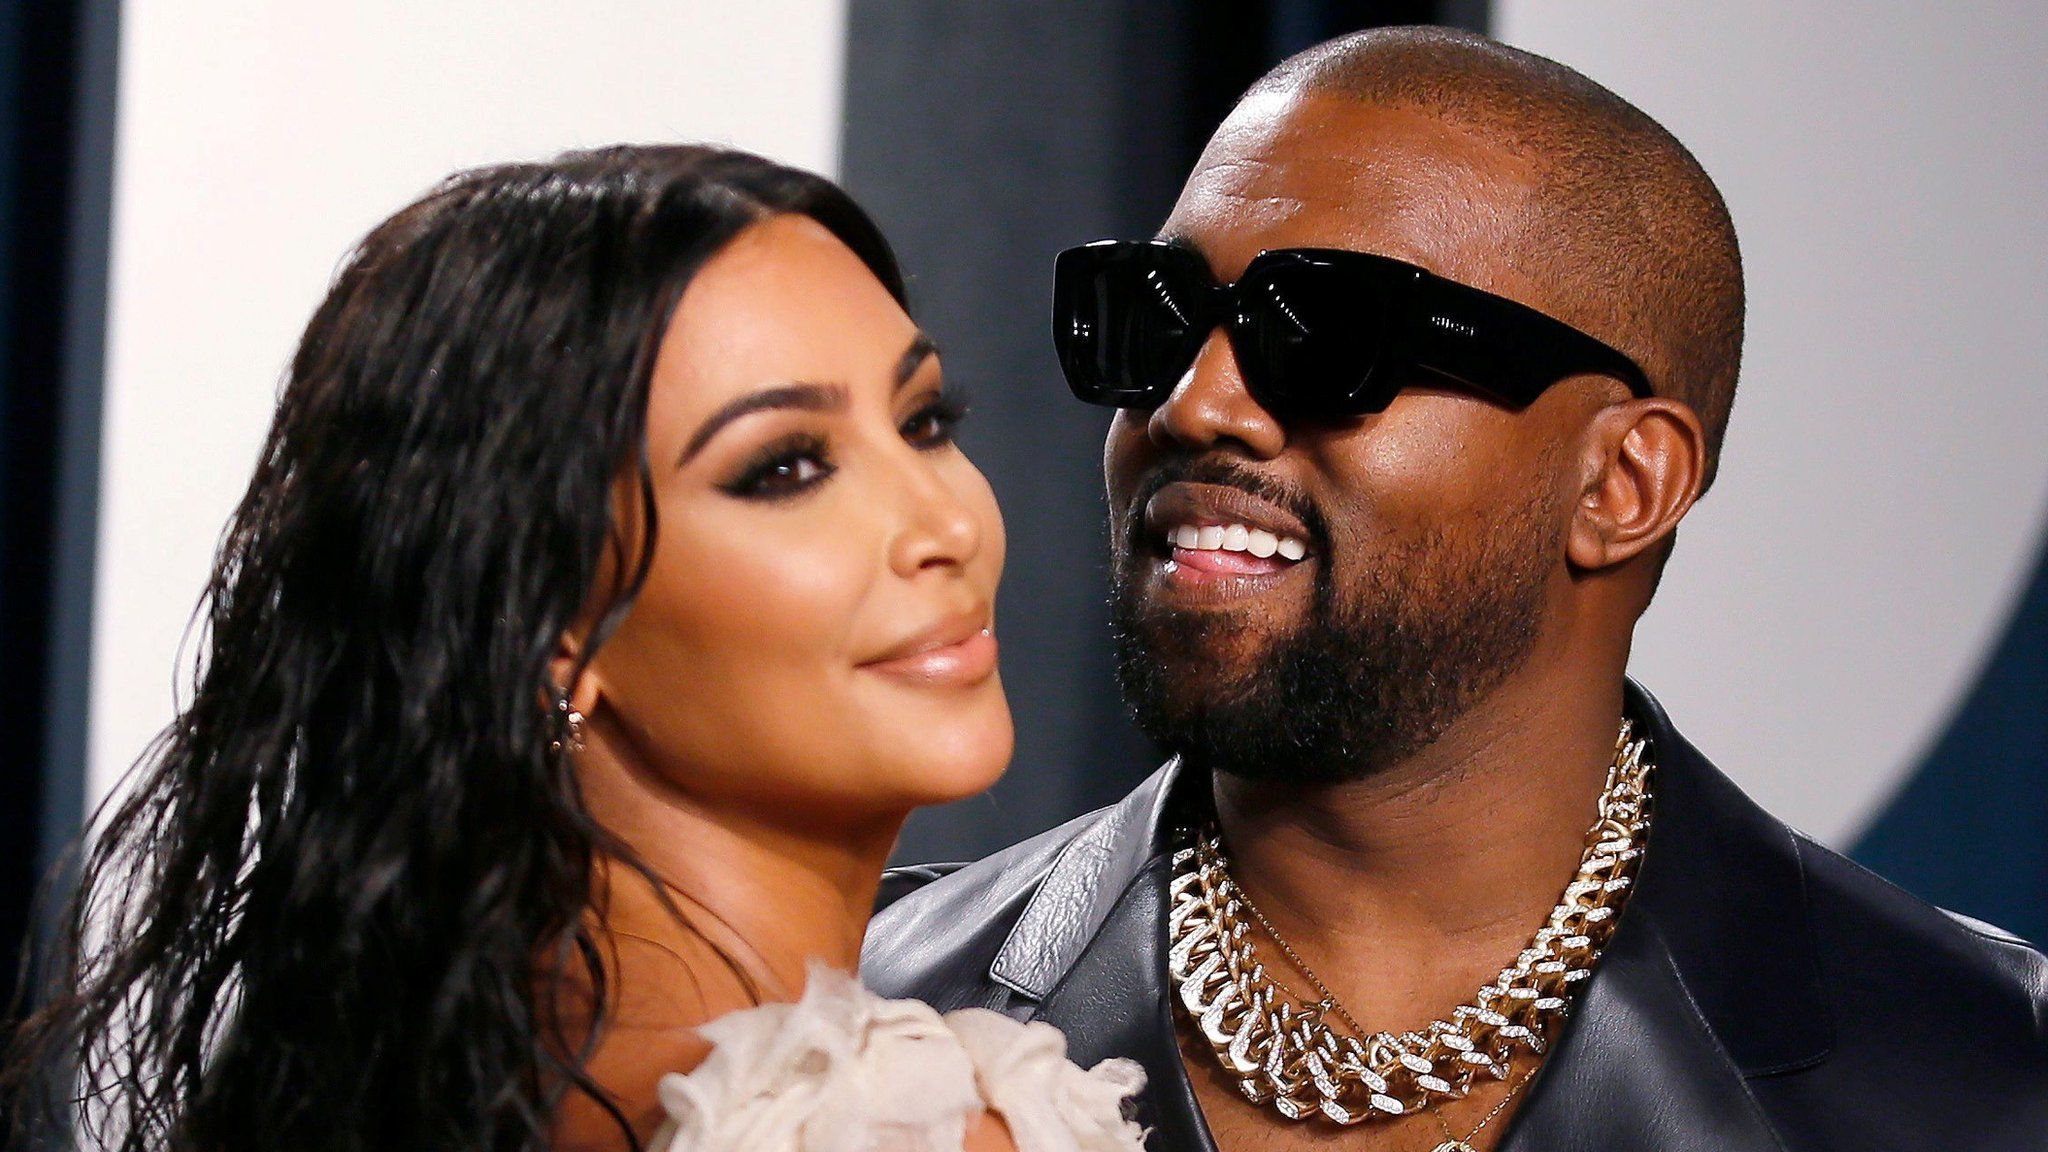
pixel 779 586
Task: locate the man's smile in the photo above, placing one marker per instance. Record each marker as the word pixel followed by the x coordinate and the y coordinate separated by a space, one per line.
pixel 1220 543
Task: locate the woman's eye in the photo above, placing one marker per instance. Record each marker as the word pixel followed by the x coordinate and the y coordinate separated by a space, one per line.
pixel 783 469
pixel 933 425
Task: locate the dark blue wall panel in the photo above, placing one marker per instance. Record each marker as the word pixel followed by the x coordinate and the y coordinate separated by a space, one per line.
pixel 57 70
pixel 1969 830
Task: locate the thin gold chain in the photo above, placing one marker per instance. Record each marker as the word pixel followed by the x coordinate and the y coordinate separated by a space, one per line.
pixel 1437 1114
pixel 1330 1003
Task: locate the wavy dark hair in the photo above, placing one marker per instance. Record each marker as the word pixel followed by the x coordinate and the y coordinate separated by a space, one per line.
pixel 320 918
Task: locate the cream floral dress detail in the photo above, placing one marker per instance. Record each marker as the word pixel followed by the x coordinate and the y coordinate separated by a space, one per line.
pixel 843 1070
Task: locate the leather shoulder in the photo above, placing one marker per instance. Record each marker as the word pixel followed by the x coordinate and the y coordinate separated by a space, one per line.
pixel 1940 1024
pixel 1861 1016
pixel 1881 941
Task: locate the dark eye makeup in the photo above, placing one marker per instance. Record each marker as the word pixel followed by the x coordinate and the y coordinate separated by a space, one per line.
pixel 781 468
pixel 937 419
pixel 791 465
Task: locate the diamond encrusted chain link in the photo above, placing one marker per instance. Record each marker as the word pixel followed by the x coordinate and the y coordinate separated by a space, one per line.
pixel 1282 1050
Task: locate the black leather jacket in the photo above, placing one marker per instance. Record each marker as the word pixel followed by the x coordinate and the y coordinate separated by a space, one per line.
pixel 1760 992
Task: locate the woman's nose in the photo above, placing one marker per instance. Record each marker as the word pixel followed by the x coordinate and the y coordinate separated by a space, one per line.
pixel 940 527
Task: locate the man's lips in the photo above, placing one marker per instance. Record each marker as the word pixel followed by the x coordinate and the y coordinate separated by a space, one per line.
pixel 1213 531
pixel 1225 565
pixel 957 651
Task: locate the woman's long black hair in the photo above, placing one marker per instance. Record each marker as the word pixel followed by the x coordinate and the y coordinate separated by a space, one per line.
pixel 319 919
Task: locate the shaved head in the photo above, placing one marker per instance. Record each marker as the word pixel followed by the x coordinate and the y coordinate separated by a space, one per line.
pixel 1626 228
pixel 1452 550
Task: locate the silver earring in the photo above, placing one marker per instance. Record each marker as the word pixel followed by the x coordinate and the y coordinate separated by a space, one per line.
pixel 569 726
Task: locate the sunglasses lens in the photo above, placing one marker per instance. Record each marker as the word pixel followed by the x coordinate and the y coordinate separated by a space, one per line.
pixel 1310 338
pixel 1126 322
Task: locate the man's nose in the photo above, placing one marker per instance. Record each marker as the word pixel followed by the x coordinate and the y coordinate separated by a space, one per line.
pixel 1211 408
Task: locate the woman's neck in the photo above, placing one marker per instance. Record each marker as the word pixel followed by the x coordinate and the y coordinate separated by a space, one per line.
pixel 740 906
pixel 772 892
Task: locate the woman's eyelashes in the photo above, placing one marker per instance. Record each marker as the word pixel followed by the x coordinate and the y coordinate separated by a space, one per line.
pixel 793 464
pixel 782 468
pixel 936 420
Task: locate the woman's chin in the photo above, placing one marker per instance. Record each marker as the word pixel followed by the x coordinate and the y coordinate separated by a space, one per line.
pixel 957 760
pixel 966 778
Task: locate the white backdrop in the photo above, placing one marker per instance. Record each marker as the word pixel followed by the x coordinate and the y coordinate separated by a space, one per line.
pixel 258 140
pixel 1885 480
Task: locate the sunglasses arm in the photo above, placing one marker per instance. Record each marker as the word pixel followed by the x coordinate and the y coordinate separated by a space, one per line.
pixel 1502 349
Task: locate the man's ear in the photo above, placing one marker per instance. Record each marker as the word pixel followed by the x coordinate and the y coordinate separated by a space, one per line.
pixel 1643 462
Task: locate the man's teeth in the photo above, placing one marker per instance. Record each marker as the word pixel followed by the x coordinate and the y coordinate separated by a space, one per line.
pixel 1237 538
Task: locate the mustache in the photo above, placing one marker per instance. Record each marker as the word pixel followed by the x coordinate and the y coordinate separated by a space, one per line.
pixel 1224 472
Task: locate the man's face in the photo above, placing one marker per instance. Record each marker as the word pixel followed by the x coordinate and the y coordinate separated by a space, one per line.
pixel 1433 531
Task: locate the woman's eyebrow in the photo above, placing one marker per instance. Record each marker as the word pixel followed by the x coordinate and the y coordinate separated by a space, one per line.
pixel 921 348
pixel 800 396
pixel 804 397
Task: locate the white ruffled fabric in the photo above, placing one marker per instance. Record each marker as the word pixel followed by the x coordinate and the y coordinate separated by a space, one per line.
pixel 843 1070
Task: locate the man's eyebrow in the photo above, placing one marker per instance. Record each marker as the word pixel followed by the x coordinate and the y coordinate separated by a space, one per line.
pixel 921 348
pixel 800 396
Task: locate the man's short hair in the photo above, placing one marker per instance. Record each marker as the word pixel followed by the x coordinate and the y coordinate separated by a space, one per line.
pixel 1628 225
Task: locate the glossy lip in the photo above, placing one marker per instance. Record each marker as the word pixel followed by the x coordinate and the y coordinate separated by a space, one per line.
pixel 959 650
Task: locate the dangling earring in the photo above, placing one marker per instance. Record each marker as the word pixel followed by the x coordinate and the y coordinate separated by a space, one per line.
pixel 569 726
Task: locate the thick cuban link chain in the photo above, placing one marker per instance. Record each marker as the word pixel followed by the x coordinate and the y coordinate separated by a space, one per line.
pixel 1282 1049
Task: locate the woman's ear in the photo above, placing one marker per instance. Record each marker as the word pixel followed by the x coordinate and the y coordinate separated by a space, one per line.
pixel 1643 464
pixel 583 685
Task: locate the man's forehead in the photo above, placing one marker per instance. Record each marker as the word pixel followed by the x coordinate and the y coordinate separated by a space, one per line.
pixel 1293 170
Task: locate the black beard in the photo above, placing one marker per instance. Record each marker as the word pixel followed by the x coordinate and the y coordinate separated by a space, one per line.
pixel 1370 678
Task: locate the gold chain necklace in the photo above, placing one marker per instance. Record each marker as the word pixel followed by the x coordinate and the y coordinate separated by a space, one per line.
pixel 1452 1143
pixel 1281 1049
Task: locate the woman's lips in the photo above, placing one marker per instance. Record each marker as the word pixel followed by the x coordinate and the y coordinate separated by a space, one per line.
pixel 956 663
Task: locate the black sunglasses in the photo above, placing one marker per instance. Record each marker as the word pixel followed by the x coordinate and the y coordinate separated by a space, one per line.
pixel 1319 333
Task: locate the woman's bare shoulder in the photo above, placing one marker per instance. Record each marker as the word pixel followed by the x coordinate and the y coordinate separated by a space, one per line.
pixel 663 980
pixel 987 1133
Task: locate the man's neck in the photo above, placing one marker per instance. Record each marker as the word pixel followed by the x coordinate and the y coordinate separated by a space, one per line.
pixel 1408 888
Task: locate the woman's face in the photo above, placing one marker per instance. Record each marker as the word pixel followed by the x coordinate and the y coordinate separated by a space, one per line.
pixel 814 637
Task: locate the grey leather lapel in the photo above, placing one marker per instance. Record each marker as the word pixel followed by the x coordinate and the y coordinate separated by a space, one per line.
pixel 1084 883
pixel 1639 1069
pixel 1113 1002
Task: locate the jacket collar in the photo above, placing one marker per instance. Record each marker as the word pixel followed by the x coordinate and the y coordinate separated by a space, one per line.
pixel 1114 1001
pixel 1083 886
pixel 1638 1067
pixel 1724 886
pixel 1710 977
